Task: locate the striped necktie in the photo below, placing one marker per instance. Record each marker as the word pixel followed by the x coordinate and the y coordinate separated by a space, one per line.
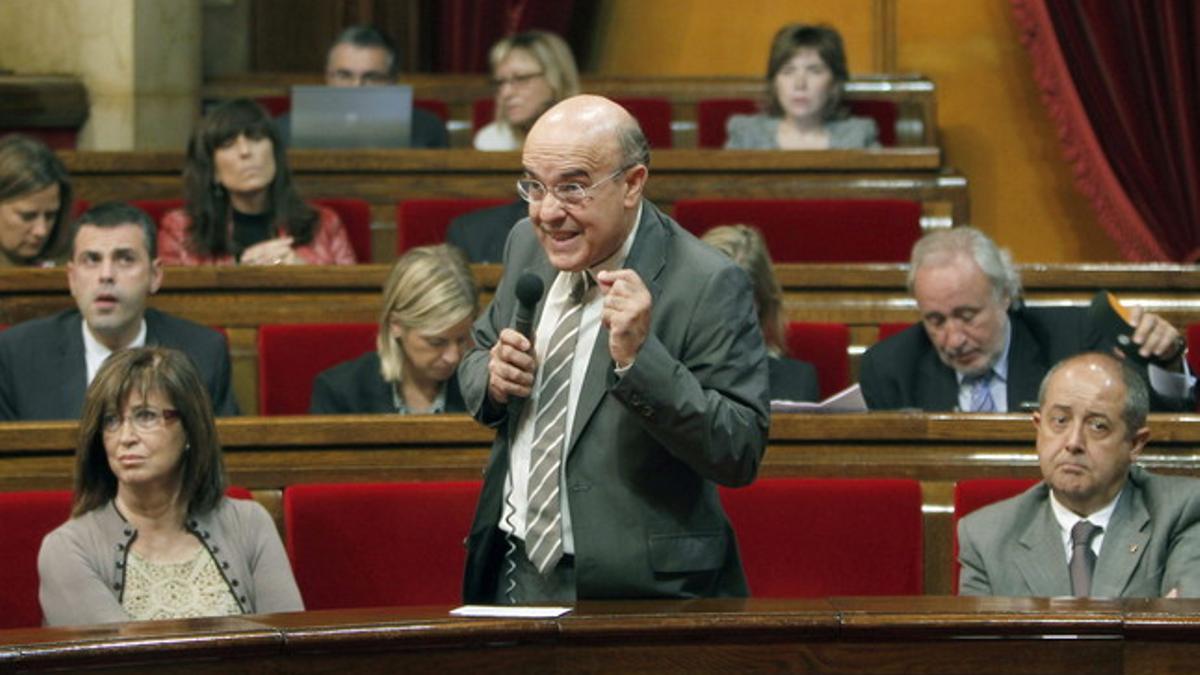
pixel 981 393
pixel 543 533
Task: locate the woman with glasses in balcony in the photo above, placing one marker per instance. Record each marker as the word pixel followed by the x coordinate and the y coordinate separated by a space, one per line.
pixel 241 205
pixel 531 71
pixel 429 303
pixel 806 73
pixel 152 534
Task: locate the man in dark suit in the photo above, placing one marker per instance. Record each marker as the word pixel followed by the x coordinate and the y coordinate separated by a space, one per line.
pixel 364 56
pixel 977 349
pixel 47 363
pixel 481 234
pixel 1097 525
pixel 661 395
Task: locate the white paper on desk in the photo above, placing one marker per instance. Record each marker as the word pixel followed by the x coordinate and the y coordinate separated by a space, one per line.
pixel 509 612
pixel 848 400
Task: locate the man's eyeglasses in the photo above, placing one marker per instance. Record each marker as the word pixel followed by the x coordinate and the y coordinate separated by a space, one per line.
pixel 572 194
pixel 515 80
pixel 144 419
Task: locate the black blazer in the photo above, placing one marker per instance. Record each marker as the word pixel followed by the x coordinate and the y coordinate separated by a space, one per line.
pixel 904 371
pixel 356 386
pixel 43 371
pixel 481 234
pixel 792 379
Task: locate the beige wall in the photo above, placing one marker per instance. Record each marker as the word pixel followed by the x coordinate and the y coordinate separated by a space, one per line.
pixel 994 128
pixel 139 59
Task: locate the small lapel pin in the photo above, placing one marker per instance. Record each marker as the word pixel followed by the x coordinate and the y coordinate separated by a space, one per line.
pixel 1133 548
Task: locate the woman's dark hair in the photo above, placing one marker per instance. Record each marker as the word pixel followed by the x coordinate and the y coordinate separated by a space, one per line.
pixel 147 369
pixel 828 45
pixel 28 166
pixel 208 202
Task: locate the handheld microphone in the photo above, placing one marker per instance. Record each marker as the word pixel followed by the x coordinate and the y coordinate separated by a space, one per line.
pixel 529 292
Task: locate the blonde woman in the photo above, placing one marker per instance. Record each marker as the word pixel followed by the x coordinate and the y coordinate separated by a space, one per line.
pixel 429 302
pixel 790 379
pixel 531 72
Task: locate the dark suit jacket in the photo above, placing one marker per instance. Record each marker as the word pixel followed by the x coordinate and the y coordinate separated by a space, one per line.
pixel 481 234
pixel 904 371
pixel 428 130
pixel 1151 546
pixel 792 380
pixel 356 386
pixel 648 448
pixel 43 371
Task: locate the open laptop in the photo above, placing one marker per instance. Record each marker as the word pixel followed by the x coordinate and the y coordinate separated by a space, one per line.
pixel 351 117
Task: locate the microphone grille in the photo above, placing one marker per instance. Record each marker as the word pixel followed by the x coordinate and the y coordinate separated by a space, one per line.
pixel 529 289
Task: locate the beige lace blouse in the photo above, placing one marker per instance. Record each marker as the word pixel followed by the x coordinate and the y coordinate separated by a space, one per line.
pixel 178 590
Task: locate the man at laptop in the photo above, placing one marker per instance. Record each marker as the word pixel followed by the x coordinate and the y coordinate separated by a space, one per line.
pixel 363 56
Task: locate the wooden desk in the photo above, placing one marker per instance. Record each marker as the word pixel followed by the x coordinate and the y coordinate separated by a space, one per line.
pixel 914 95
pixel 268 454
pixel 832 635
pixel 383 177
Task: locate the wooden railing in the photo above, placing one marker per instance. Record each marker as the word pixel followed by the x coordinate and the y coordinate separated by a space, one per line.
pixel 1009 636
pixel 268 454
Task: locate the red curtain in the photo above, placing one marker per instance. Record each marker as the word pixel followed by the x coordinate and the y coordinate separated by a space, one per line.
pixel 1121 79
pixel 467 28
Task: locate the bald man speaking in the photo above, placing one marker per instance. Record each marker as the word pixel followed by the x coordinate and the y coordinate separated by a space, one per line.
pixel 641 387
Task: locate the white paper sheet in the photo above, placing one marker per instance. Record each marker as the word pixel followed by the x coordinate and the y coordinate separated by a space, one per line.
pixel 509 612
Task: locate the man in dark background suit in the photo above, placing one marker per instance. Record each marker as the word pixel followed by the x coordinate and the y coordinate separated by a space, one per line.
pixel 47 363
pixel 668 383
pixel 976 343
pixel 481 234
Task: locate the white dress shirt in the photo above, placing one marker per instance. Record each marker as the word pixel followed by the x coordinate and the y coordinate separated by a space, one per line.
pixel 95 353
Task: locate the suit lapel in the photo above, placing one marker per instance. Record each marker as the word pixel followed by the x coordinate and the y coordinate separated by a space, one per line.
pixel 1040 557
pixel 1026 365
pixel 938 383
pixel 647 257
pixel 72 364
pixel 1124 544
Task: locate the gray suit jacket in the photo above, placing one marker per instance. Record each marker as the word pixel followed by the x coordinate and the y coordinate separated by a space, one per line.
pixel 647 449
pixel 1152 545
pixel 43 371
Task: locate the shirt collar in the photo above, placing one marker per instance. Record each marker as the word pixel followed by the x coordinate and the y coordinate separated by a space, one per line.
pixel 1067 518
pixel 95 353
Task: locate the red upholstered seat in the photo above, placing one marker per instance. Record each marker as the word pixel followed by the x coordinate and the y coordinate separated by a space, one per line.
pixel 290 356
pixel 815 230
pixel 28 517
pixel 422 222
pixel 370 545
pixel 652 113
pixel 806 537
pixel 355 215
pixel 887 330
pixel 977 493
pixel 826 346
pixel 713 113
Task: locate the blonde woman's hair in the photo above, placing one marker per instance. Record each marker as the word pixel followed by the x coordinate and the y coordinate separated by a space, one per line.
pixel 429 289
pixel 746 246
pixel 552 54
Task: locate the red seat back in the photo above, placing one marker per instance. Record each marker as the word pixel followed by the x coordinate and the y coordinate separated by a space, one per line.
pixel 370 545
pixel 355 214
pixel 887 330
pixel 970 495
pixel 28 517
pixel 713 113
pixel 422 222
pixel 815 230
pixel 827 347
pixel 652 113
pixel 816 537
pixel 290 356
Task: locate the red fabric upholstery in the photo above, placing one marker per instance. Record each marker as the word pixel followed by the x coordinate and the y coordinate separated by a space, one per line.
pixel 1193 354
pixel 887 330
pixel 826 346
pixel 421 222
pixel 55 138
pixel 970 495
pixel 713 113
pixel 816 230
pixel 653 114
pixel 291 356
pixel 28 517
pixel 370 545
pixel 806 537
pixel 355 214
pixel 157 208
